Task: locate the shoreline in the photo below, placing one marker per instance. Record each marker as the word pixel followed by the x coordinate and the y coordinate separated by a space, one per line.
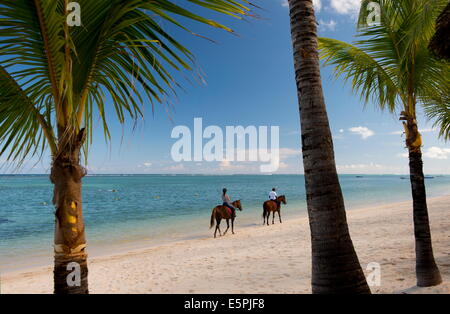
pixel 271 250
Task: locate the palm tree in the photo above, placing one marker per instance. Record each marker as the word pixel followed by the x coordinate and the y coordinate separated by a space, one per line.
pixel 440 44
pixel 335 265
pixel 392 66
pixel 56 79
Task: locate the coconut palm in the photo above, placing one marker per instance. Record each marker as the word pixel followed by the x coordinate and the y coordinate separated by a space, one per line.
pixel 440 44
pixel 392 66
pixel 56 81
pixel 440 112
pixel 335 265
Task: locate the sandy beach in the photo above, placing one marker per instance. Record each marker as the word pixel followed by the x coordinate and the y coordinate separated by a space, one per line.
pixel 262 259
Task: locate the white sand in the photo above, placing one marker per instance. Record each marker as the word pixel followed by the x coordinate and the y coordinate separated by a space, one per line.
pixel 261 259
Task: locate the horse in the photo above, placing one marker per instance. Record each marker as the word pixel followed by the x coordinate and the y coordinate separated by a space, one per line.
pixel 223 212
pixel 271 206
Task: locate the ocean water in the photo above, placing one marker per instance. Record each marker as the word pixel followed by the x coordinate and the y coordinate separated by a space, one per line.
pixel 134 211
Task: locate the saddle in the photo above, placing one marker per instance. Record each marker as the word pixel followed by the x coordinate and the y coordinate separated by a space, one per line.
pixel 228 210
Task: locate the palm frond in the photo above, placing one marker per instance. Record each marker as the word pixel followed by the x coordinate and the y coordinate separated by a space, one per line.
pixel 23 128
pixel 390 61
pixel 122 56
pixel 370 78
pixel 440 113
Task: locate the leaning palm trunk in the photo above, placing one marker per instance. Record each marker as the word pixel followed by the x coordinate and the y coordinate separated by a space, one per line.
pixel 335 265
pixel 427 272
pixel 70 269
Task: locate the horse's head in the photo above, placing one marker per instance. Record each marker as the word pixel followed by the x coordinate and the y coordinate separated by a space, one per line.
pixel 282 199
pixel 237 204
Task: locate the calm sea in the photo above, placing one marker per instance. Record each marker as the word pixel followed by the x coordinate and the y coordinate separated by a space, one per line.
pixel 133 211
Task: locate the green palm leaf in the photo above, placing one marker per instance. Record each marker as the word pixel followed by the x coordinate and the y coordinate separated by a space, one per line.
pixel 57 79
pixel 390 63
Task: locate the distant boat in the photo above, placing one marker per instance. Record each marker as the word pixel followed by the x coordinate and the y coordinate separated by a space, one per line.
pixel 403 178
pixel 429 177
pixel 359 176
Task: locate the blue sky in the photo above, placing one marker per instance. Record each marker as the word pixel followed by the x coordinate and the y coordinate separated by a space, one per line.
pixel 250 81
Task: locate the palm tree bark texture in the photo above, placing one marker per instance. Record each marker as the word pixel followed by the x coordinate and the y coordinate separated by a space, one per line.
pixel 70 242
pixel 335 265
pixel 427 272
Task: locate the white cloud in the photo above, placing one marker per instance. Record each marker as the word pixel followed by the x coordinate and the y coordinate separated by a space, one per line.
pixel 346 6
pixel 289 152
pixel 143 165
pixel 330 25
pixel 341 130
pixel 433 152
pixel 317 4
pixel 363 131
pixel 421 131
pixel 358 166
pixel 372 168
pixel 176 167
pixel 437 153
pixel 288 161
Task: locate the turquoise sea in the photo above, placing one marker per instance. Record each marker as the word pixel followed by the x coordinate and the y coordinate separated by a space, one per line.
pixel 134 211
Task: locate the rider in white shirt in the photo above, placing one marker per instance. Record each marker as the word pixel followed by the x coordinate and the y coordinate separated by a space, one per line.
pixel 273 195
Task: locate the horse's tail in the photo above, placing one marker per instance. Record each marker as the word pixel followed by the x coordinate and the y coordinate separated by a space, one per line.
pixel 211 224
pixel 264 210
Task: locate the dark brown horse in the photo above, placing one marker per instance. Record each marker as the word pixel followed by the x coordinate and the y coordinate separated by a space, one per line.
pixel 272 206
pixel 223 212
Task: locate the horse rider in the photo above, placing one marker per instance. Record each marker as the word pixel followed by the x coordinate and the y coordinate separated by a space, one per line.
pixel 274 197
pixel 227 202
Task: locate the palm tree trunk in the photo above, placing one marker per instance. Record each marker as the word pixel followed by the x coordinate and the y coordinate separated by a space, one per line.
pixel 70 263
pixel 427 272
pixel 335 265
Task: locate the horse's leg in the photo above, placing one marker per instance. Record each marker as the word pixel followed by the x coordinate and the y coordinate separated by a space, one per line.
pixel 279 216
pixel 232 225
pixel 228 227
pixel 273 217
pixel 218 226
pixel 268 216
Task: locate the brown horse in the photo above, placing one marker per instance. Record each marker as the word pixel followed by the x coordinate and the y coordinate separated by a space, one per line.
pixel 223 212
pixel 272 206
